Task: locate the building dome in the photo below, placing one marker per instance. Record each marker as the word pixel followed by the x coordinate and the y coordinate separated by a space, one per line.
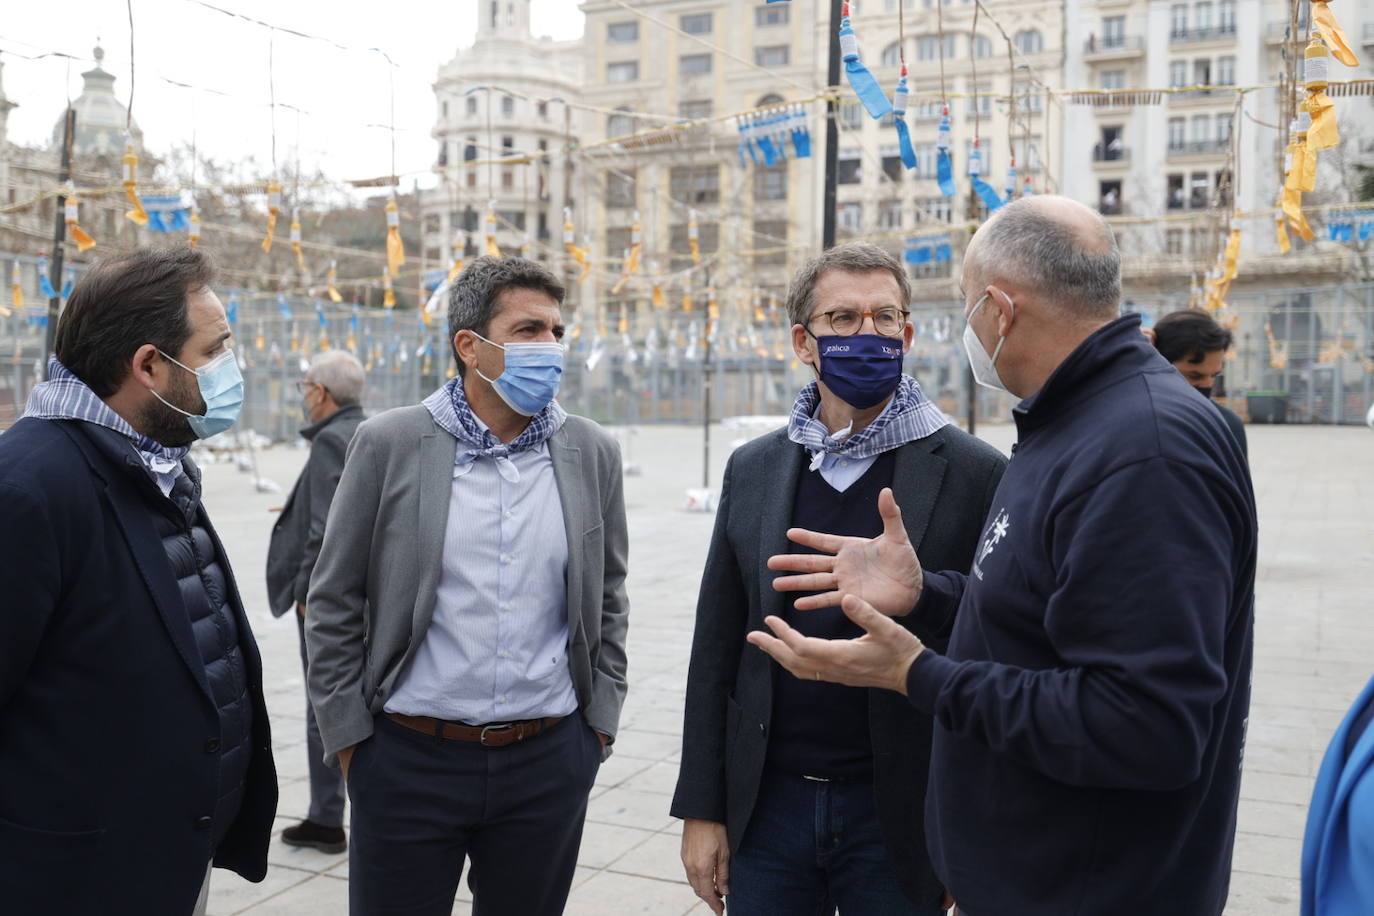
pixel 100 117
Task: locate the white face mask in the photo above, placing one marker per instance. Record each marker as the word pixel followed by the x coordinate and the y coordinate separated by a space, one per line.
pixel 984 366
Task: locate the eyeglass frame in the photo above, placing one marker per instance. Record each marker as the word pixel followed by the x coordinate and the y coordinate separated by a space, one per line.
pixel 304 383
pixel 862 313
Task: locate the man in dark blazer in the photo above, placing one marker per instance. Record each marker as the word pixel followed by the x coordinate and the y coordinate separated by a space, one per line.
pixel 134 744
pixel 330 395
pixel 801 797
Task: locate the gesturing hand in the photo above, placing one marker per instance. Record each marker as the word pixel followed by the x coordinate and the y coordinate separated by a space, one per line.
pixel 879 658
pixel 883 571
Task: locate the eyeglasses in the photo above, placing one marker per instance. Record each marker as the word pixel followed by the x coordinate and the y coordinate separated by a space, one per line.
pixel 847 322
pixel 302 385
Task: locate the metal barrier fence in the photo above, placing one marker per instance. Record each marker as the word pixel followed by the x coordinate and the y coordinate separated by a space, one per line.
pixel 1309 352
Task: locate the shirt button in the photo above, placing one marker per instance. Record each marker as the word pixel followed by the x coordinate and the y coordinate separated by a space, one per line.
pixel 505 607
pixel 212 745
pixel 508 515
pixel 203 823
pixel 500 699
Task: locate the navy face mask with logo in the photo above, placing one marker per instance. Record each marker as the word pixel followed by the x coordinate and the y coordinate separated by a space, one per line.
pixel 863 369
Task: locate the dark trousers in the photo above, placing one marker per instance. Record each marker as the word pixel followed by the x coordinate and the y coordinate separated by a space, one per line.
pixel 326 782
pixel 421 804
pixel 812 847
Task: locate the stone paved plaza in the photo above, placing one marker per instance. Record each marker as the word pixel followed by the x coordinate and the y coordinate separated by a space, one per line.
pixel 1315 650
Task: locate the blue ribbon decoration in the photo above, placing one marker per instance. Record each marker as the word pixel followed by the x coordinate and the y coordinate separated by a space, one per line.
pixel 284 307
pixel 770 152
pixel 944 165
pixel 801 134
pixel 167 214
pixel 69 283
pixel 44 284
pixel 991 199
pixel 1011 183
pixel 864 85
pixel 232 309
pixel 899 121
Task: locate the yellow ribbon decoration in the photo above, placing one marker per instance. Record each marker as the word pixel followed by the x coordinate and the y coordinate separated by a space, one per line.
pixel 71 212
pixel 455 267
pixel 273 208
pixel 694 237
pixel 389 292
pixel 260 341
pixel 395 249
pixel 1331 31
pixel 193 229
pixel 1281 231
pixel 1292 209
pixel 631 265
pixel 137 215
pixel 295 338
pixel 657 299
pixel 587 264
pixel 333 280
pixel 1322 134
pixel 569 239
pixel 296 238
pixel 490 221
pixel 16 288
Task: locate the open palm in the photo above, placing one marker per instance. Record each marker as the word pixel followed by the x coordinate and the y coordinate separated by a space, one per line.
pixel 883 571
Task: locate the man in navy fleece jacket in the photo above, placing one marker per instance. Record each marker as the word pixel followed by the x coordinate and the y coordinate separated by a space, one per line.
pixel 1091 709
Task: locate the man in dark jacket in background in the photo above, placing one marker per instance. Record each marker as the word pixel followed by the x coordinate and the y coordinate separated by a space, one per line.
pixel 134 744
pixel 1092 704
pixel 1196 345
pixel 330 396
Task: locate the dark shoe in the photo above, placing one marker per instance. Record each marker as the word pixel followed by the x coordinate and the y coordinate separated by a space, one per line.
pixel 316 836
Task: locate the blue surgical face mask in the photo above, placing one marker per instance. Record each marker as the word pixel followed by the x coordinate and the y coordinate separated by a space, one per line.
pixel 532 375
pixel 221 386
pixel 863 369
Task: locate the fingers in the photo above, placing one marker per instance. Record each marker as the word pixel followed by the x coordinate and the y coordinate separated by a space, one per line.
pixel 801 562
pixel 893 529
pixel 875 623
pixel 816 602
pixel 704 889
pixel 723 870
pixel 829 543
pixel 809 582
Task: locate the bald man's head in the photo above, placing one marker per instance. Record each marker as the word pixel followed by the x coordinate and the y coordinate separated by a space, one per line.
pixel 1057 249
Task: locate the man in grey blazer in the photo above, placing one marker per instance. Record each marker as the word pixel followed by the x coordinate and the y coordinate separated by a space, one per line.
pixel 467 618
pixel 800 797
pixel 330 396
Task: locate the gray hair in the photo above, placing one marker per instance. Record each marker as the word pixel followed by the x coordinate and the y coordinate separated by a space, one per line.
pixel 339 373
pixel 1048 254
pixel 852 258
pixel 473 296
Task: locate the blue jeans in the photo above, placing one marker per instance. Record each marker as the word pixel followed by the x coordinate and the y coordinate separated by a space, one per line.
pixel 811 847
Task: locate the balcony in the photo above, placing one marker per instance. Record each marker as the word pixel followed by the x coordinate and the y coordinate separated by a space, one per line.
pixel 1199 148
pixel 1220 92
pixel 1112 47
pixel 1211 33
pixel 1118 154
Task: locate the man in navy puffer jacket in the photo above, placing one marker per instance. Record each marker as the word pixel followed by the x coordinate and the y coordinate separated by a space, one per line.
pixel 1091 709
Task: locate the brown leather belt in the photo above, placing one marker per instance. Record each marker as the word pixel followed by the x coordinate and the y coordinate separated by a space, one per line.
pixel 497 734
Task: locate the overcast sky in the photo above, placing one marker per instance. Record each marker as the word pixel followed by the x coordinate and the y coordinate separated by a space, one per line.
pixel 343 91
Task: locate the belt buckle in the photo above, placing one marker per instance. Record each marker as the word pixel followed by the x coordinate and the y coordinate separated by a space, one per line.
pixel 497 726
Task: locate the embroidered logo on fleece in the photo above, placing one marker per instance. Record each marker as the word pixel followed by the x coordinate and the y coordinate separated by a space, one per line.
pixel 996 531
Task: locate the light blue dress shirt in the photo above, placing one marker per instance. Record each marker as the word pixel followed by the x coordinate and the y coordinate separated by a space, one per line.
pixel 497 647
pixel 840 471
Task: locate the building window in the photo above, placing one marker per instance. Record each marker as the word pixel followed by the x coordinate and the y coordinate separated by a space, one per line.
pixel 772 56
pixel 472 104
pixel 1109 198
pixel 507 106
pixel 472 179
pixel 1226 17
pixel 1201 132
pixel 694 110
pixel 850 168
pixel 708 240
pixel 1175 197
pixel 851 115
pixel 1226 71
pixel 511 219
pixel 507 146
pixel 1178 21
pixel 926 160
pixel 890 215
pixel 622 31
pixel 444 109
pixel 1223 188
pixel 695 184
pixel 1177 130
pixel 542 109
pixel 928 47
pixel 982 46
pixel 1202 17
pixel 770 183
pixel 1202 72
pixel 507 179
pixel 620 188
pixel 691 64
pixel 1028 158
pixel 1178 74
pixel 849 217
pixel 1113 79
pixel 892 55
pixel 893 167
pixel 1029 41
pixel 980 99
pixel 1111 148
pixel 470 149
pixel 770 15
pixel 1173 241
pixel 620 125
pixel 1113 31
pixel 1199 189
pixel 770 238
pixel 771 98
pixel 927 104
pixel 695 23
pixel 623 72
pixel 935 210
